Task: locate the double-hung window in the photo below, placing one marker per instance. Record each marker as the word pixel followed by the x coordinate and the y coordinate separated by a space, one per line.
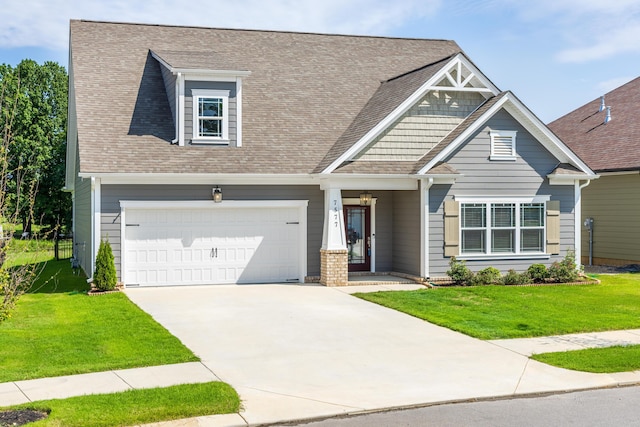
pixel 498 228
pixel 211 116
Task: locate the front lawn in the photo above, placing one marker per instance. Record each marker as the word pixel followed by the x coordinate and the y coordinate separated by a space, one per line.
pixel 493 312
pixel 137 407
pixel 58 329
pixel 598 360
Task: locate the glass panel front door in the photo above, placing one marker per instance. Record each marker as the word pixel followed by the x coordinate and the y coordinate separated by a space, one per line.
pixel 357 223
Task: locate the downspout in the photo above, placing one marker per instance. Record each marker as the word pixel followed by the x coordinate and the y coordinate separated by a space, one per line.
pixel 578 221
pixel 424 226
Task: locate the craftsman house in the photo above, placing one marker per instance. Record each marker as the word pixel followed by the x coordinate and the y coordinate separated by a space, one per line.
pixel 209 156
pixel 605 133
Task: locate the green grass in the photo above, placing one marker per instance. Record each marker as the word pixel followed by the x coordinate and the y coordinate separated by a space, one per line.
pixel 137 407
pixel 598 360
pixel 492 312
pixel 57 329
pixel 21 252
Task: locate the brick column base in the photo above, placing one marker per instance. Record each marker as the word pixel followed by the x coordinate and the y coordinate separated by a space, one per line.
pixel 334 267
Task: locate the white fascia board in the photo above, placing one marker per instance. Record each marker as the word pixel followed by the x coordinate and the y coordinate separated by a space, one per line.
pixel 631 172
pixel 407 104
pixel 210 204
pixel 569 179
pixel 544 135
pixel 442 178
pixel 463 136
pixel 369 182
pixel 202 179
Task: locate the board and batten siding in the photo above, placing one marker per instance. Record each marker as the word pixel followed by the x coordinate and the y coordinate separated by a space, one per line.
pixel 423 126
pixel 82 227
pixel 113 194
pixel 614 203
pixel 188 107
pixel 482 177
pixel 406 232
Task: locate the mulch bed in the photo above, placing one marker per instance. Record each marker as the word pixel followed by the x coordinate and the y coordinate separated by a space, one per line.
pixel 20 417
pixel 611 269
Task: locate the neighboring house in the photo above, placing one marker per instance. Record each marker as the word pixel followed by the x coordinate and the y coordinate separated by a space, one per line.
pixel 229 156
pixel 606 134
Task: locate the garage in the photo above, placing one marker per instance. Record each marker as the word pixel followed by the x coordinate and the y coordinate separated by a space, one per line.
pixel 202 243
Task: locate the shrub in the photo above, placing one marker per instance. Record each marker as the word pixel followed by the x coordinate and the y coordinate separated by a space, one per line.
pixel 538 273
pixel 565 271
pixel 487 276
pixel 459 272
pixel 105 277
pixel 514 278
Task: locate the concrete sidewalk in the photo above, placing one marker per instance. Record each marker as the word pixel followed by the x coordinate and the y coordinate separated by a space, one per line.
pixel 298 352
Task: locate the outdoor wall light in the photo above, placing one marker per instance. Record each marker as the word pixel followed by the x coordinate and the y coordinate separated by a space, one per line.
pixel 216 193
pixel 365 199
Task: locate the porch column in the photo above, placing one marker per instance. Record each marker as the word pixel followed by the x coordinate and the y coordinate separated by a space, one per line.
pixel 334 262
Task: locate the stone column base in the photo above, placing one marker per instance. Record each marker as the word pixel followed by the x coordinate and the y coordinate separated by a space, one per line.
pixel 334 267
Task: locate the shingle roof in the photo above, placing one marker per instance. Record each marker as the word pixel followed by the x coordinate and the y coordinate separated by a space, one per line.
pixel 386 99
pixel 304 92
pixel 614 146
pixel 204 60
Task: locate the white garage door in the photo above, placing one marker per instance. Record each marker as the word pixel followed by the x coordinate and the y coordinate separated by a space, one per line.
pixel 213 244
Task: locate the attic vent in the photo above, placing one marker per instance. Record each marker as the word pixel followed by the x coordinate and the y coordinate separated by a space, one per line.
pixel 602 107
pixel 607 118
pixel 503 145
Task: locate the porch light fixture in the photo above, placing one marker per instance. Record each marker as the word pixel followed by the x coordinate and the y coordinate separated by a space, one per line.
pixel 365 199
pixel 216 193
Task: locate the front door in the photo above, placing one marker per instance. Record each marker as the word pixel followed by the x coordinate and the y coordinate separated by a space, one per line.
pixel 357 220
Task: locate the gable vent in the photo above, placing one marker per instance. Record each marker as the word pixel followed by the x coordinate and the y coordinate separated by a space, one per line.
pixel 502 146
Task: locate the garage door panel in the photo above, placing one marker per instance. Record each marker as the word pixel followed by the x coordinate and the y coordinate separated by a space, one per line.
pixel 207 246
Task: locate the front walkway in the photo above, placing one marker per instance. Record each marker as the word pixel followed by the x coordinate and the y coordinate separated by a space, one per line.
pixel 298 352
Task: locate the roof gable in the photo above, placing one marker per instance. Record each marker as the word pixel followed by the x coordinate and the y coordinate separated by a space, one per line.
pixel 614 146
pixel 397 96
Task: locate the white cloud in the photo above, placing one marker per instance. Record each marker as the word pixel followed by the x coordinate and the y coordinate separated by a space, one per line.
pixel 609 85
pixel 45 23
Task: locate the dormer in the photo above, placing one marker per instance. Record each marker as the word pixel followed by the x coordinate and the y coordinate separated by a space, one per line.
pixel 205 95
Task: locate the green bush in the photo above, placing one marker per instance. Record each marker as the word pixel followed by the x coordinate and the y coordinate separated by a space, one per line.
pixel 105 277
pixel 538 273
pixel 459 272
pixel 7 300
pixel 565 271
pixel 488 276
pixel 514 278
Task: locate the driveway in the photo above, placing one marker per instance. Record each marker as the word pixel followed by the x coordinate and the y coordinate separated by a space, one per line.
pixel 304 351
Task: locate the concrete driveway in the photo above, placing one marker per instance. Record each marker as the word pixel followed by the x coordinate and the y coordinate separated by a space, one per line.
pixel 303 351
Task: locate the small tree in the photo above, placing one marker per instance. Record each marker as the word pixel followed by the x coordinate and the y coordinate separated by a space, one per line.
pixel 105 277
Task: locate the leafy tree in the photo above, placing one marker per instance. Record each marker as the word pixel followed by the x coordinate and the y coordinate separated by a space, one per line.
pixel 36 155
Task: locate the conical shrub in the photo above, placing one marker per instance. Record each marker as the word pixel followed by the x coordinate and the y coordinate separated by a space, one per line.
pixel 105 277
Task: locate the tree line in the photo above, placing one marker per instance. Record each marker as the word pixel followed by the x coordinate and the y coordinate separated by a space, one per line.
pixel 33 118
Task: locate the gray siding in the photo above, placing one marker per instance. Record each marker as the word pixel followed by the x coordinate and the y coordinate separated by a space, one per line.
pixel 423 126
pixel 482 177
pixel 170 88
pixel 82 226
pixel 406 232
pixel 113 194
pixel 613 202
pixel 188 107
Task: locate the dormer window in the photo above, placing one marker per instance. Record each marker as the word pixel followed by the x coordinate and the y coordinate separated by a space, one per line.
pixel 503 145
pixel 210 116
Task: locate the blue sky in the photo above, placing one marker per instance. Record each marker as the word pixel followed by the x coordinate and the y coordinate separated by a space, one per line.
pixel 555 55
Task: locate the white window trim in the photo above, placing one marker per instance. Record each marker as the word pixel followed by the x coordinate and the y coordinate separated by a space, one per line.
pixel 503 133
pixel 197 94
pixel 488 201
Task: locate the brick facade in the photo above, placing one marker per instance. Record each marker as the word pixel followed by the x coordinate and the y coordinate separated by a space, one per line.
pixel 334 267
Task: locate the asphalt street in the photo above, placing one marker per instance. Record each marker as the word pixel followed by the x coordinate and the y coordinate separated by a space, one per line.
pixel 603 407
